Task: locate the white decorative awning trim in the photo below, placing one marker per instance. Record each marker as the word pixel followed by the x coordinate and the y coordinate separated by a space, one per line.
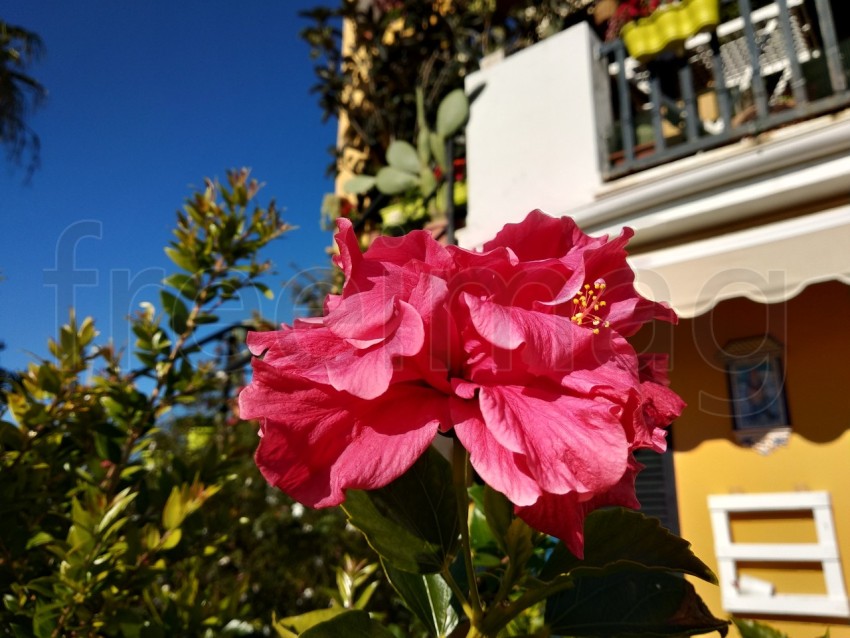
pixel 767 264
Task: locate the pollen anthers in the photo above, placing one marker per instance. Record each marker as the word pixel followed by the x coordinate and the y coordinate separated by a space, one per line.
pixel 588 301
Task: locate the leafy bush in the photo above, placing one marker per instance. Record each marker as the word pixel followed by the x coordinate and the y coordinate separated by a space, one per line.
pixel 130 502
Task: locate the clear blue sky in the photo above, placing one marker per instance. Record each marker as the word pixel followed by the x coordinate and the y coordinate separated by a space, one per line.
pixel 146 99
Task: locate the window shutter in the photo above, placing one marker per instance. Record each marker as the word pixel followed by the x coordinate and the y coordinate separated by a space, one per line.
pixel 656 487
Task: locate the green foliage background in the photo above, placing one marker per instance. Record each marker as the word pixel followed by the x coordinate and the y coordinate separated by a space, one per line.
pixel 130 502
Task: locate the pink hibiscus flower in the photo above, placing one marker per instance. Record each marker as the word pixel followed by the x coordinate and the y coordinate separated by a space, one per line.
pixel 519 351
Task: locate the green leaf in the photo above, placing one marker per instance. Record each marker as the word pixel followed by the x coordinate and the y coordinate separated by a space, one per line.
pixel 263 288
pixel 428 185
pixel 44 620
pixel 182 259
pixel 392 181
pixel 366 595
pixel 620 534
pixel 107 448
pixel 172 539
pixel 519 541
pixel 175 509
pixel 438 150
pixel 452 113
pixel 412 522
pixel 359 184
pixel 184 284
pixel 499 513
pixel 176 310
pixel 421 122
pixel 119 504
pixel 480 534
pixel 44 586
pixel 753 629
pixel 11 436
pixel 87 331
pixel 105 428
pixel 38 539
pixel 423 147
pixel 351 624
pixel 294 625
pixel 403 156
pixel 631 601
pixel 428 596
pixel 48 379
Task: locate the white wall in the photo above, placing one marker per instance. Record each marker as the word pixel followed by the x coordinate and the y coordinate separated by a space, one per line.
pixel 531 137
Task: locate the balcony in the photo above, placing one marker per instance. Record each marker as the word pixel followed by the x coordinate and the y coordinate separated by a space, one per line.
pixel 766 66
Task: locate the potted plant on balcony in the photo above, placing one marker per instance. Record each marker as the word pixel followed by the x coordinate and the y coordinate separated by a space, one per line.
pixel 650 27
pixel 414 175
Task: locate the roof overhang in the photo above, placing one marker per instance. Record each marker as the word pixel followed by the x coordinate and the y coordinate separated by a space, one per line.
pixel 768 264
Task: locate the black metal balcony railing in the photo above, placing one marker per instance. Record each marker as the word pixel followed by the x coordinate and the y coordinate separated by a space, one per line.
pixel 772 64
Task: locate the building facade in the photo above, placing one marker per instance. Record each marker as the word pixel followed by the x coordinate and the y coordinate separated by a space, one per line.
pixel 729 154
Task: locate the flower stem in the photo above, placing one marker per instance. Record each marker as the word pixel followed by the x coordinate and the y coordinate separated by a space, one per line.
pixel 457 591
pixel 460 473
pixel 499 618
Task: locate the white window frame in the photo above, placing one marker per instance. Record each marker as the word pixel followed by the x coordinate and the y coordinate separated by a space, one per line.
pixel 757 597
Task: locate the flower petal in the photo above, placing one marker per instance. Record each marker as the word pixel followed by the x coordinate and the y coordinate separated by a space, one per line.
pixel 550 343
pixel 571 444
pixel 366 373
pixel 562 515
pixel 500 468
pixel 540 236
pixel 317 442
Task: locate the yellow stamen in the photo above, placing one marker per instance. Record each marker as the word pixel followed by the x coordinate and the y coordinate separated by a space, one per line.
pixel 588 301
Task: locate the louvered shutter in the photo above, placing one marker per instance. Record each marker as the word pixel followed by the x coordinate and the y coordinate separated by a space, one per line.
pixel 656 487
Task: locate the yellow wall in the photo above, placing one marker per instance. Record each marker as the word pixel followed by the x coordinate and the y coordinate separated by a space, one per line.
pixel 815 329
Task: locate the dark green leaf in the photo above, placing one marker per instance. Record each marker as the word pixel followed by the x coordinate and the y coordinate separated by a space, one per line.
pixel 480 534
pixel 44 620
pixel 263 288
pixel 499 513
pixel 107 449
pixel 630 602
pixel 351 624
pixel 105 428
pixel 519 541
pixel 48 379
pixel 11 436
pixel 620 534
pixel 184 284
pixel 428 596
pixel 176 310
pixel 412 523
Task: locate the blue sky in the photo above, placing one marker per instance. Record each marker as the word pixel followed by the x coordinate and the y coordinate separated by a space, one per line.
pixel 145 100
